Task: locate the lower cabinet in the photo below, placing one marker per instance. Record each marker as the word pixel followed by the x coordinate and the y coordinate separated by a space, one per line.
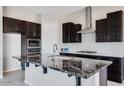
pixel 115 71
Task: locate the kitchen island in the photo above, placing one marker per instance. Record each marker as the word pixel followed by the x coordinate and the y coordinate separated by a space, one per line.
pixel 66 71
pixel 115 70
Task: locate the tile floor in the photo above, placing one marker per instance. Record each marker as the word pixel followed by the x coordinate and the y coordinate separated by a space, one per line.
pixel 16 78
pixel 111 83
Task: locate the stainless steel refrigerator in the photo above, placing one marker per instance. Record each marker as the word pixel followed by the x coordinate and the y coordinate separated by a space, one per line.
pixel 14 45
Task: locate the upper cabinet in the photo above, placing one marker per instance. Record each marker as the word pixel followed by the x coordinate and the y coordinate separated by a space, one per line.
pixel 67 28
pixel 69 32
pixel 31 30
pixel 110 29
pixel 115 26
pixel 8 25
pixel 20 26
pixel 38 31
pixel 101 30
pixel 77 36
pixel 13 25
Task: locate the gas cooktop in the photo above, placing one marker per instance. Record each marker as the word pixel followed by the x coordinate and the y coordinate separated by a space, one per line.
pixel 87 52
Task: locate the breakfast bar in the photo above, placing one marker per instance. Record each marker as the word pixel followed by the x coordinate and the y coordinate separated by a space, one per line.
pixel 65 71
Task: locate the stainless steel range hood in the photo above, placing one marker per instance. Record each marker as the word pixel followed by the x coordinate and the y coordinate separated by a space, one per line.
pixel 88 29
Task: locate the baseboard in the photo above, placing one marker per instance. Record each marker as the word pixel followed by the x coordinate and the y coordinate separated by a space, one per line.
pixel 28 83
pixel 12 69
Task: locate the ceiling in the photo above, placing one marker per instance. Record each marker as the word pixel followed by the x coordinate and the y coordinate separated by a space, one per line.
pixel 60 10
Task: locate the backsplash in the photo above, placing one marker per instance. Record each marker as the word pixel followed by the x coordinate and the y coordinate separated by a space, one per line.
pixel 88 43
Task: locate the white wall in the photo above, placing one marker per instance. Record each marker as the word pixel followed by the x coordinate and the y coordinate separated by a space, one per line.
pixel 49 35
pixel 1 44
pixel 88 40
pixel 18 14
pixel 50 32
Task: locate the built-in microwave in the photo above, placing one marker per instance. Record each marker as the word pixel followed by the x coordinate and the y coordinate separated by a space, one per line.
pixel 33 43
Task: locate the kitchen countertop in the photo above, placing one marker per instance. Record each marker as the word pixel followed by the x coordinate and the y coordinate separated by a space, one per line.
pixel 20 58
pixel 120 55
pixel 81 67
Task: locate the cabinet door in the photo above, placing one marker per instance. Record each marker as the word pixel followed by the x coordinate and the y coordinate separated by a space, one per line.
pixel 16 27
pixel 115 21
pixel 38 31
pixel 101 30
pixel 31 28
pixel 70 34
pixel 65 33
pixel 13 25
pixel 114 71
pixel 8 25
pixel 77 35
pixel 21 27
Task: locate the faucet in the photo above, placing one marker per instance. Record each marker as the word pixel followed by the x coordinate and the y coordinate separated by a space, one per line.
pixel 54 49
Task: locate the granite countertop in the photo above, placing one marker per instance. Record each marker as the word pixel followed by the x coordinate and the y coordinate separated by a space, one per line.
pixel 82 67
pixel 109 54
pixel 20 58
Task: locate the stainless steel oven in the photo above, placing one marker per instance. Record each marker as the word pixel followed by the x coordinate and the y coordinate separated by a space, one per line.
pixel 33 43
pixel 34 51
pixel 34 58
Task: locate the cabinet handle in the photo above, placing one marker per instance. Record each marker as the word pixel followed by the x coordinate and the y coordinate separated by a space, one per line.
pixel 77 37
pixel 34 34
pixel 108 37
pixel 111 59
pixel 99 58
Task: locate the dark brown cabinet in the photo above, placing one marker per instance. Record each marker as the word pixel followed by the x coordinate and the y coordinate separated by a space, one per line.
pixel 115 72
pixel 30 29
pixel 69 32
pixel 8 25
pixel 77 36
pixel 21 26
pixel 13 25
pixel 115 27
pixel 110 29
pixel 101 30
pixel 38 31
pixel 67 28
pixel 33 30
